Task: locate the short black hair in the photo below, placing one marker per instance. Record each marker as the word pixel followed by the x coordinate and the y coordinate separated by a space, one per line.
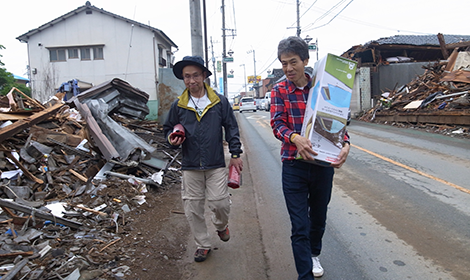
pixel 293 45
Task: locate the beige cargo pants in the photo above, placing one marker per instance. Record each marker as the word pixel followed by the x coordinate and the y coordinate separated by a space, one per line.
pixel 199 186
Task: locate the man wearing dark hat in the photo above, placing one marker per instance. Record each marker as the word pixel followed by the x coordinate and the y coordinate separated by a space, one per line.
pixel 195 122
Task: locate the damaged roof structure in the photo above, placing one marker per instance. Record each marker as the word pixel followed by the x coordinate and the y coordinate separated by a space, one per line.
pixel 69 174
pixel 405 48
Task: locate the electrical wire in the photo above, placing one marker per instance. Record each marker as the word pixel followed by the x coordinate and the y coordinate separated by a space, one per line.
pixel 327 13
pixel 308 9
pixel 331 18
pixel 345 18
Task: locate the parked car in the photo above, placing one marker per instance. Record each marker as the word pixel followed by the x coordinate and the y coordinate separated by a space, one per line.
pixel 267 101
pixel 349 117
pixel 247 104
pixel 235 106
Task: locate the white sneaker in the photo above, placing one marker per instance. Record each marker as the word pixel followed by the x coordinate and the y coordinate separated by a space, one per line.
pixel 317 268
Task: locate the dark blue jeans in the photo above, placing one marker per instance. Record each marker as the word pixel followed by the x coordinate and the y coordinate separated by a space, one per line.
pixel 307 191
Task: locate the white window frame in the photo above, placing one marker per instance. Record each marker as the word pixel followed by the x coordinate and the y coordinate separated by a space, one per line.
pixel 57 57
pixel 100 52
pixel 73 53
pixel 85 53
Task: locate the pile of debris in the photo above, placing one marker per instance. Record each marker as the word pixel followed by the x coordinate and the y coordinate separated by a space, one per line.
pixel 440 97
pixel 70 174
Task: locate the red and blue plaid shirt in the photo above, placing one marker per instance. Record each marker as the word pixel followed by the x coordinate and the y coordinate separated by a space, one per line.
pixel 288 104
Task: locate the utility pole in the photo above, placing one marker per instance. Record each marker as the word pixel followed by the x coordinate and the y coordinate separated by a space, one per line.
pixel 316 43
pixel 244 75
pixel 298 19
pixel 213 64
pixel 206 58
pixel 256 77
pixel 196 27
pixel 255 82
pixel 224 65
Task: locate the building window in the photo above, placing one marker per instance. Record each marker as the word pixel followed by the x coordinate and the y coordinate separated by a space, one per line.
pixel 73 53
pixel 168 59
pixel 57 55
pixel 161 59
pixel 98 53
pixel 85 54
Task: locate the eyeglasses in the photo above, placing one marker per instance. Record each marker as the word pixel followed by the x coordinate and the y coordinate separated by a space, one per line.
pixel 195 77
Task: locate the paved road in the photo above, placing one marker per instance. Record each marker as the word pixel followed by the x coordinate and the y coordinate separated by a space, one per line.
pixel 400 209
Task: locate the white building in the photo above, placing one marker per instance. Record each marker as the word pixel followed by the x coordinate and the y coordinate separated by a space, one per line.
pixel 95 46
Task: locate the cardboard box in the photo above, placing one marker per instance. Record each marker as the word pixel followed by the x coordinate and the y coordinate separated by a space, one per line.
pixel 328 105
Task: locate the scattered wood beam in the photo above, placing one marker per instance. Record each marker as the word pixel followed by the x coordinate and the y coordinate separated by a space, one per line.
pixel 20 125
pixel 38 213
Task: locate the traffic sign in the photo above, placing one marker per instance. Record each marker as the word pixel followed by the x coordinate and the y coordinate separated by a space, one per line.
pixel 228 59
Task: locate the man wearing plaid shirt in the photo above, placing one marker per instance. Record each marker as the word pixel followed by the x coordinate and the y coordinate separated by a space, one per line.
pixel 306 186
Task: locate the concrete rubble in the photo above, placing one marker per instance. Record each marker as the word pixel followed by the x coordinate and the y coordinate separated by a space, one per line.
pixel 70 174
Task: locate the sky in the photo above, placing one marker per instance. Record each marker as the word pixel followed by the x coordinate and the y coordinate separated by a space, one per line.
pixel 257 26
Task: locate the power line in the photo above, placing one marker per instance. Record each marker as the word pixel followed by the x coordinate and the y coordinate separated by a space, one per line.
pixel 332 18
pixel 345 18
pixel 380 26
pixel 308 9
pixel 327 13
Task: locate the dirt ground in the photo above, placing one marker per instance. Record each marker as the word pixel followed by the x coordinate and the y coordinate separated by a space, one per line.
pixel 157 237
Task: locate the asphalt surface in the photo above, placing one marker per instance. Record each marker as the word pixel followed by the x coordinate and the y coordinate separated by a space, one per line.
pixel 399 209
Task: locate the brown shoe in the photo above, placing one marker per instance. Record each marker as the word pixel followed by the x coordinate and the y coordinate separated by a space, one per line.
pixel 224 235
pixel 201 255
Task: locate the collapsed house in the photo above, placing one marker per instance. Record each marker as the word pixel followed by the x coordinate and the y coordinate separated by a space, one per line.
pixel 427 70
pixel 79 165
pixel 440 96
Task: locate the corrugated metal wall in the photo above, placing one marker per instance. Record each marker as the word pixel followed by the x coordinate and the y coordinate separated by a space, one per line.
pixel 393 76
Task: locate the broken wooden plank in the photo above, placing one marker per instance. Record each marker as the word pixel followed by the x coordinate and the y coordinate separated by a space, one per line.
pixel 78 175
pixel 457 76
pixel 34 101
pixel 445 117
pixel 9 212
pixel 38 213
pixel 89 210
pixel 442 44
pixel 109 244
pixel 15 254
pixel 26 172
pixel 16 269
pixel 451 61
pixel 12 117
pixel 20 125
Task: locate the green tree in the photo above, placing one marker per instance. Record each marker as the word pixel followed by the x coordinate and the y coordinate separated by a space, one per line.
pixel 1 48
pixel 7 80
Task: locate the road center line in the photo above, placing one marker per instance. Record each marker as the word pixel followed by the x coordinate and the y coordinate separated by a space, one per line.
pixel 413 169
pixel 262 123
